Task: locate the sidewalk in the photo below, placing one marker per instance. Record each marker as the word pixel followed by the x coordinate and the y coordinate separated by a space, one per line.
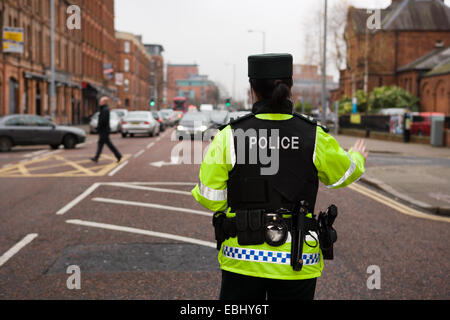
pixel 415 173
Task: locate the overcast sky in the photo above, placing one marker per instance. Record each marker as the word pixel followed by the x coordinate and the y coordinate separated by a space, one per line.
pixel 214 33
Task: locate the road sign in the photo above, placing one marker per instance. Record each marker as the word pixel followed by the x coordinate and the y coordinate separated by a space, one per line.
pixel 13 40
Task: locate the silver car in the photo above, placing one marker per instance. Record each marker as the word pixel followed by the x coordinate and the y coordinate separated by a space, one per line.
pixel 114 122
pixel 139 122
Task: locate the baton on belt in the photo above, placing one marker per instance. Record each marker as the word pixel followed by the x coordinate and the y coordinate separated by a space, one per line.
pixel 298 235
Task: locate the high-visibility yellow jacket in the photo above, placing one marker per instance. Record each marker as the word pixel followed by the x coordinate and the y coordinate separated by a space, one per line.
pixel 336 169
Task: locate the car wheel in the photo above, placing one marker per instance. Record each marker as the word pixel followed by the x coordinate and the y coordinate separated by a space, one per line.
pixel 5 144
pixel 124 135
pixel 54 146
pixel 69 141
pixel 132 135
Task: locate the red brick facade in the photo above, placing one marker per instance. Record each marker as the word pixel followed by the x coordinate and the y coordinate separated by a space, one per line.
pixel 133 62
pixel 382 52
pixel 177 72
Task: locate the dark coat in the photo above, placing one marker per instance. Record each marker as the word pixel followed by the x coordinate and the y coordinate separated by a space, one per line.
pixel 103 121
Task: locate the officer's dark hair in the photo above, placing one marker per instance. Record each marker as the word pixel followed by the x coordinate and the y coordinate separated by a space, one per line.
pixel 275 90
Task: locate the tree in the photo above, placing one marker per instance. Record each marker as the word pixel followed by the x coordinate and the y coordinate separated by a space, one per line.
pixel 391 97
pixel 305 107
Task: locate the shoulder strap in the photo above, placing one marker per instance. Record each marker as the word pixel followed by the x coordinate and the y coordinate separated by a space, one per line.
pixel 311 120
pixel 247 116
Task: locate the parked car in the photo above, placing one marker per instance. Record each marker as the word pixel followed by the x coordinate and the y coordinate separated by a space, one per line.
pixel 158 117
pixel 21 129
pixel 140 122
pixel 194 124
pixel 114 122
pixel 421 123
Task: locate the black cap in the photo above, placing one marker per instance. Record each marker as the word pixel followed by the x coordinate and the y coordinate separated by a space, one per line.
pixel 270 66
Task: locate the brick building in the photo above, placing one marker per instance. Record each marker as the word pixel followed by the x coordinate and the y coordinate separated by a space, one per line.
pixel 177 72
pixel 156 73
pixel 410 30
pixel 99 52
pixel 80 56
pixel 197 90
pixel 24 77
pixel 133 66
pixel 308 84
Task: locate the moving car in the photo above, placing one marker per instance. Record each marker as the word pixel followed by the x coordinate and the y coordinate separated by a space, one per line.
pixel 114 122
pixel 192 125
pixel 158 117
pixel 219 118
pixel 140 122
pixel 169 115
pixel 22 129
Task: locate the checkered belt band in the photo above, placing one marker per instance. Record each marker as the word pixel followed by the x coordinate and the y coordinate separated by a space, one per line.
pixel 277 257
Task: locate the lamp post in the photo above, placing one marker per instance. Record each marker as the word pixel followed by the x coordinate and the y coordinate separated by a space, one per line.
pixel 263 38
pixel 52 60
pixel 324 66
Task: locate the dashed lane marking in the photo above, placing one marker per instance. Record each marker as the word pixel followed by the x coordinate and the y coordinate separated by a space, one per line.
pixel 142 232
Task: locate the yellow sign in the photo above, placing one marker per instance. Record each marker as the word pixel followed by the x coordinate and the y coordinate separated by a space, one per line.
pixel 13 40
pixel 355 118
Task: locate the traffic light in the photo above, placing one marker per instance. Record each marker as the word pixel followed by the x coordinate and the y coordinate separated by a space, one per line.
pixel 228 103
pixel 152 103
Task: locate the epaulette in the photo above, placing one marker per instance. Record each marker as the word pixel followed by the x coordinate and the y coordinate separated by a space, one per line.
pixel 234 121
pixel 312 121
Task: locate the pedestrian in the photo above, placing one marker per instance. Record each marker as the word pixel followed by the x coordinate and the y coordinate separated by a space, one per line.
pixel 103 130
pixel 256 173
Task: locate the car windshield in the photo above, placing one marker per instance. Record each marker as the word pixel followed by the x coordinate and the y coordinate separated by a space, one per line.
pixel 138 115
pixel 194 116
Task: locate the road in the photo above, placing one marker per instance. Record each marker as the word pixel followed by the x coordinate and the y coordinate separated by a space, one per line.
pixel 135 232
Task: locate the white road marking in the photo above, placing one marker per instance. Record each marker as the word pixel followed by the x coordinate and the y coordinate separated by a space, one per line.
pixel 35 153
pixel 163 183
pixel 395 205
pixel 153 205
pixel 137 187
pixel 139 153
pixel 78 199
pixel 112 173
pixel 143 232
pixel 17 247
pixel 150 145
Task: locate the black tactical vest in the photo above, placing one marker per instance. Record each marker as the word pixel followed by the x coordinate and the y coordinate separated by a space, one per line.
pixel 274 161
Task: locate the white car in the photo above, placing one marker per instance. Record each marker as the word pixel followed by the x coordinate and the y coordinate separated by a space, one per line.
pixel 114 122
pixel 140 122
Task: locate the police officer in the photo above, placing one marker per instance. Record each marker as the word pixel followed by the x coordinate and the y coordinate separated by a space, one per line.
pixel 256 171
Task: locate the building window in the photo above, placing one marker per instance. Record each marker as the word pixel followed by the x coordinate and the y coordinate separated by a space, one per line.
pixel 127 46
pixel 126 65
pixel 126 83
pixel 127 103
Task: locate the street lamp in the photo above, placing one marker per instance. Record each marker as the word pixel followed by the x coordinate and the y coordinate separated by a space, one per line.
pixel 263 38
pixel 324 66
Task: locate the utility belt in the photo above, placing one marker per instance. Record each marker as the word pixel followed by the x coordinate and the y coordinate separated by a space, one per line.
pixel 259 226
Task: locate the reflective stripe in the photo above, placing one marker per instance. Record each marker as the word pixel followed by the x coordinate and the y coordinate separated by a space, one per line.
pixel 232 151
pixel 211 194
pixel 347 174
pixel 276 257
pixel 315 146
